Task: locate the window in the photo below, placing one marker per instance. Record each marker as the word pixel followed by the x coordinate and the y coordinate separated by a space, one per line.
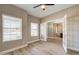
pixel 34 29
pixel 12 28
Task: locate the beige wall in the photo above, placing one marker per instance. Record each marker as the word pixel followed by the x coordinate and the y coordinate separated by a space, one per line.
pixel 52 29
pixel 73 33
pixel 59 28
pixel 16 12
pixel 70 12
pixel 34 20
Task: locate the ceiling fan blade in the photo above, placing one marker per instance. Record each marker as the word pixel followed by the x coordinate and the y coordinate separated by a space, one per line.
pixel 49 4
pixel 43 4
pixel 37 6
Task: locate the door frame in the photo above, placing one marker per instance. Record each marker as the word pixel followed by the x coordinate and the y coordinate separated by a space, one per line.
pixel 62 20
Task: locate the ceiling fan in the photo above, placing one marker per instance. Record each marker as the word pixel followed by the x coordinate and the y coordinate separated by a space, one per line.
pixel 43 6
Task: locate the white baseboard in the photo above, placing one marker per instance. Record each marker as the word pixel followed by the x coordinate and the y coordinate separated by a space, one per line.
pixel 43 39
pixel 33 41
pixel 13 49
pixel 75 49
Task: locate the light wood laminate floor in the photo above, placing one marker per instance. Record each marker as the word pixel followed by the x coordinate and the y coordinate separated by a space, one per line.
pixel 51 47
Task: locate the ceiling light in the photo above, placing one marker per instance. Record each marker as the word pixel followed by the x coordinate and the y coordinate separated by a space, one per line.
pixel 43 6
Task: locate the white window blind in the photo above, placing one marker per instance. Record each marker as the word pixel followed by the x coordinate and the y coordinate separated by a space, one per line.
pixel 12 28
pixel 34 29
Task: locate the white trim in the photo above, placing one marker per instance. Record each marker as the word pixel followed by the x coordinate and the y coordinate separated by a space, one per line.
pixel 75 49
pixel 13 49
pixel 43 39
pixel 33 41
pixel 56 20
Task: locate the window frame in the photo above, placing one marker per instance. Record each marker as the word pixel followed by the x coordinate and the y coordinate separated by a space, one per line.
pixel 37 28
pixel 20 28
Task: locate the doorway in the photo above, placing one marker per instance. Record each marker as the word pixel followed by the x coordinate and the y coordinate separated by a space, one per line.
pixel 55 33
pixel 44 30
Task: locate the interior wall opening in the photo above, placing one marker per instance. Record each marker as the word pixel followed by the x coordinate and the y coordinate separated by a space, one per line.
pixel 55 32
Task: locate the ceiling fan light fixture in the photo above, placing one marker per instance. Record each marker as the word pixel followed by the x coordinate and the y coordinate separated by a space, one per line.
pixel 43 6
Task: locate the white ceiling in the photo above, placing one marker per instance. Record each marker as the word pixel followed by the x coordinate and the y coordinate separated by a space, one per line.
pixel 38 12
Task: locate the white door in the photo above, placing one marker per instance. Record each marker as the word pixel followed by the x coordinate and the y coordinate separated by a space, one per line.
pixel 43 31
